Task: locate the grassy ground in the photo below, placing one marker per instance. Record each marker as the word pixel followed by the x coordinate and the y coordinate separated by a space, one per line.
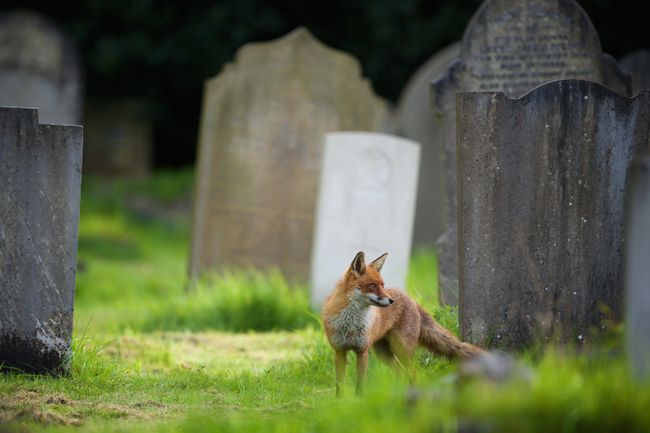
pixel 242 352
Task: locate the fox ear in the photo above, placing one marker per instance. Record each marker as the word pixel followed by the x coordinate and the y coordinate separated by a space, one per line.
pixel 358 265
pixel 378 263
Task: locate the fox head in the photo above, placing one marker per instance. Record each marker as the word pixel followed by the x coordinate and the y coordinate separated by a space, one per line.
pixel 364 282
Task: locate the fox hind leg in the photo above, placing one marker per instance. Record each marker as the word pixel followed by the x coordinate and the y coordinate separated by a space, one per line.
pixel 385 355
pixel 403 346
pixel 382 350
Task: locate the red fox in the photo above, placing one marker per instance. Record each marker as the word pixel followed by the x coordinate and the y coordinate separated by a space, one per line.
pixel 394 330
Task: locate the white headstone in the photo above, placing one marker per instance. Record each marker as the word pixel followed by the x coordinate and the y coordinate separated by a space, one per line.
pixel 366 203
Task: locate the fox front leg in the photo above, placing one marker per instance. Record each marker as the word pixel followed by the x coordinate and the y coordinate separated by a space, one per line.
pixel 362 369
pixel 340 361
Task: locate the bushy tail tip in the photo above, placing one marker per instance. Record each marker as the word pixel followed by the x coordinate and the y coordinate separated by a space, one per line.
pixel 441 341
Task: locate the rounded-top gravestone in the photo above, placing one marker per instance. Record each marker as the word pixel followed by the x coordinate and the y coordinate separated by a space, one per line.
pixel 413 121
pixel 542 181
pixel 513 46
pixel 263 123
pixel 39 68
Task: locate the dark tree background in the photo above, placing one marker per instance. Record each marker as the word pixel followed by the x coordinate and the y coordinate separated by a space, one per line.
pixel 162 51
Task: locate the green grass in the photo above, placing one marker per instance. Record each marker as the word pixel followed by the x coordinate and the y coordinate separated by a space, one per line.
pixel 237 301
pixel 422 279
pixel 155 382
pixel 132 269
pixel 242 351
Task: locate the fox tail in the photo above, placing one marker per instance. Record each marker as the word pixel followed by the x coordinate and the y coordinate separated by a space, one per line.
pixel 441 341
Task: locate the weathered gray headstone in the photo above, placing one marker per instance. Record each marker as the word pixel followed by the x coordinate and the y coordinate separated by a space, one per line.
pixel 260 144
pixel 39 67
pixel 40 172
pixel 512 46
pixel 637 268
pixel 118 139
pixel 542 181
pixel 637 64
pixel 414 121
pixel 366 203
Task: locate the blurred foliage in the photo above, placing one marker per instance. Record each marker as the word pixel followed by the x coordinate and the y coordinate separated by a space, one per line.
pixel 422 279
pixel 162 51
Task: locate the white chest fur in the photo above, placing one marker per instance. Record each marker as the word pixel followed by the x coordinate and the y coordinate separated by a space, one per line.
pixel 352 324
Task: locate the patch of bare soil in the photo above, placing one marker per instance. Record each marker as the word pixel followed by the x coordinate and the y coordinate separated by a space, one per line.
pixel 30 406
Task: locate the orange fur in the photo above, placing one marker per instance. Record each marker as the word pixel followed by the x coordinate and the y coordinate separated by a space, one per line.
pixel 361 314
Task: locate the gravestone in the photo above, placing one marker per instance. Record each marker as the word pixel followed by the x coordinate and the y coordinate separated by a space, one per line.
pixel 39 67
pixel 414 121
pixel 40 167
pixel 637 271
pixel 118 139
pixel 512 46
pixel 637 64
pixel 260 143
pixel 366 203
pixel 542 180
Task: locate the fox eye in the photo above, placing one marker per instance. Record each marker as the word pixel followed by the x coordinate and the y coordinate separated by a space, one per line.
pixel 373 286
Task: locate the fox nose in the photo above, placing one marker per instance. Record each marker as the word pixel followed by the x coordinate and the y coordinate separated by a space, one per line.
pixel 391 300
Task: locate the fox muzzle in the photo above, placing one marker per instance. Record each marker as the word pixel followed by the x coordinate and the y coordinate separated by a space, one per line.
pixel 380 301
